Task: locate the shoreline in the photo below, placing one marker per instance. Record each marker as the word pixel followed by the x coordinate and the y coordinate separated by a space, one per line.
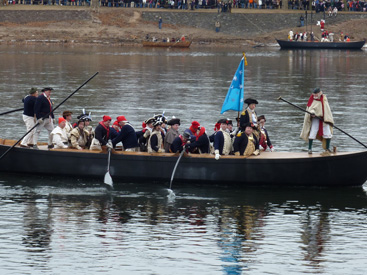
pixel 31 24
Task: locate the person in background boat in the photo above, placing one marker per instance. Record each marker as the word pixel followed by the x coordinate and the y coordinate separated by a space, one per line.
pixel 42 108
pixel 127 135
pixel 264 141
pixel 102 135
pixel 29 117
pixel 143 135
pixel 155 142
pixel 183 38
pixel 59 136
pixel 180 142
pixel 318 105
pixel 79 136
pixel 160 21
pixel 346 38
pixel 217 26
pixel 68 117
pixel 331 37
pixel 222 140
pixel 172 133
pixel 341 37
pixel 312 37
pixel 246 143
pixel 290 35
pixel 202 144
pixel 249 115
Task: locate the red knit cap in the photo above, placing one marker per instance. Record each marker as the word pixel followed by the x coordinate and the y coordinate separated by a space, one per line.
pixel 116 123
pixel 195 124
pixel 106 118
pixel 61 119
pixel 121 119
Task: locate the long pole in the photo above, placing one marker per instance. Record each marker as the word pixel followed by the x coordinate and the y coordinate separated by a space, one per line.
pixel 12 111
pixel 174 169
pixel 15 144
pixel 280 98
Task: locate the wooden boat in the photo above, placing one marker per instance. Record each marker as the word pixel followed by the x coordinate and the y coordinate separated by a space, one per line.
pixel 178 44
pixel 285 44
pixel 276 168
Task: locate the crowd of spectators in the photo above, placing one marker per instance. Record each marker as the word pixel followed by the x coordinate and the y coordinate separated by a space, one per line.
pixel 221 5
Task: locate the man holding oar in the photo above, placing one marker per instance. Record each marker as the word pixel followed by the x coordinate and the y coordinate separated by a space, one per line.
pixel 318 121
pixel 28 117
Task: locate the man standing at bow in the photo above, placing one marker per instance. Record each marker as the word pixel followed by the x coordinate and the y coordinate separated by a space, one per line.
pixel 42 108
pixel 313 127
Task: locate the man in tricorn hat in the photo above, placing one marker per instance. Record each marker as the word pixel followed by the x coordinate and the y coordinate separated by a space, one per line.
pixel 264 141
pixel 222 140
pixel 28 117
pixel 246 143
pixel 249 114
pixel 155 142
pixel 313 127
pixel 44 115
pixel 172 133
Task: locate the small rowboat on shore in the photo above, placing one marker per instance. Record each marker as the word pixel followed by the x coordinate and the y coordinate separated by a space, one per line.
pixel 285 44
pixel 269 168
pixel 178 44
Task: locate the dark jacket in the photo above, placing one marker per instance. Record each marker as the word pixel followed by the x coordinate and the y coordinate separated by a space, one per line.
pixel 202 144
pixel 127 136
pixel 42 107
pixel 29 102
pixel 245 118
pixel 240 143
pixel 100 133
pixel 176 145
pixel 219 142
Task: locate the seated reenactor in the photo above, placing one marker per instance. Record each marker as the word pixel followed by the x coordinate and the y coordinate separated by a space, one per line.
pixel 59 136
pixel 246 143
pixel 222 140
pixel 172 133
pixel 179 143
pixel 216 129
pixel 143 135
pixel 79 137
pixel 102 135
pixel 155 142
pixel 264 141
pixel 127 135
pixel 201 145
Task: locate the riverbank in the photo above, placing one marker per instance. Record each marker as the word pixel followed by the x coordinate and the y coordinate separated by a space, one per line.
pixel 23 24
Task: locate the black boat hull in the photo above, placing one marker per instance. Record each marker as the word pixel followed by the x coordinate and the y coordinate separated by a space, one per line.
pixel 292 169
pixel 284 44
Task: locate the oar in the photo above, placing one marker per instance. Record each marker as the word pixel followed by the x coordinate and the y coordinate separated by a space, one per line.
pixel 12 111
pixel 280 98
pixel 7 151
pixel 174 169
pixel 107 177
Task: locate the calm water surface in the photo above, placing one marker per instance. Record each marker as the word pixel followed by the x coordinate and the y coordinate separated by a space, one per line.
pixel 57 225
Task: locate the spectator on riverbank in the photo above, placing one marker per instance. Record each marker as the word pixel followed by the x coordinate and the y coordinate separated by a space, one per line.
pixel 217 26
pixel 160 21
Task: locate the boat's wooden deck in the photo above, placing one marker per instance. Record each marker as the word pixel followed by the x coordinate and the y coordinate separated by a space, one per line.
pixel 263 155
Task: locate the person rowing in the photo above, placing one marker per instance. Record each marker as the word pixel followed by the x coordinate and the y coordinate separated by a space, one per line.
pixel 102 135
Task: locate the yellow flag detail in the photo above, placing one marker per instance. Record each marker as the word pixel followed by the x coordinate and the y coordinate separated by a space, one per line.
pixel 244 56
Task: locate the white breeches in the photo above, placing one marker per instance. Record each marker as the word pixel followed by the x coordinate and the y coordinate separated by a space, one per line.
pixel 315 128
pixel 48 124
pixel 29 123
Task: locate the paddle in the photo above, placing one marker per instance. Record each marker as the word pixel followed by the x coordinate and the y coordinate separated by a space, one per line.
pixel 107 177
pixel 174 169
pixel 7 151
pixel 12 111
pixel 280 98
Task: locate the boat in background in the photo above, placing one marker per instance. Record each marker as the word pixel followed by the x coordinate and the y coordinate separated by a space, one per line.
pixel 178 44
pixel 269 168
pixel 285 44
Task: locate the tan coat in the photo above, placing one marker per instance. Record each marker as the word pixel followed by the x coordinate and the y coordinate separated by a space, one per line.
pixel 316 108
pixel 77 140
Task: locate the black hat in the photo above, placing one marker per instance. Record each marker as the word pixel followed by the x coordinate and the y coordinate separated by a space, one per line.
pixel 251 101
pixel 150 120
pixel 248 124
pixel 229 122
pixel 186 135
pixel 157 122
pixel 316 91
pixel 32 91
pixel 174 121
pixel 47 89
pixel 261 117
pixel 224 120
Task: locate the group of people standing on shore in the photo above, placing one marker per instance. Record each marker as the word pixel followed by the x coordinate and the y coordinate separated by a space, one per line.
pixel 159 135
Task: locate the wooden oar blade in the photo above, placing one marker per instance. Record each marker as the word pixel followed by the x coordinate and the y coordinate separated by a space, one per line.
pixel 108 180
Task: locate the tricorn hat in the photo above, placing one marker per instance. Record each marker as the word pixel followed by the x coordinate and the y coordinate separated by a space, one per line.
pixel 223 120
pixel 248 124
pixel 150 120
pixel 249 101
pixel 261 117
pixel 47 89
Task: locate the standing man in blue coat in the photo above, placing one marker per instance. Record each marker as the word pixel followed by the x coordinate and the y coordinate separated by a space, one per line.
pixel 44 115
pixel 28 117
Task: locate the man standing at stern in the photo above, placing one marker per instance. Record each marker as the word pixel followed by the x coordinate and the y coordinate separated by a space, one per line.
pixel 319 123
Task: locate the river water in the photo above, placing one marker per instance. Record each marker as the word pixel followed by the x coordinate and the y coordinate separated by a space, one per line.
pixel 62 225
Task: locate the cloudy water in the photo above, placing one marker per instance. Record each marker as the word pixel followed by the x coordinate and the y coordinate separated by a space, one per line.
pixel 54 225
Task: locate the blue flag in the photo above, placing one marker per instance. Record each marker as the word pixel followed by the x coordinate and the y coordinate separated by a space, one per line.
pixel 234 98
